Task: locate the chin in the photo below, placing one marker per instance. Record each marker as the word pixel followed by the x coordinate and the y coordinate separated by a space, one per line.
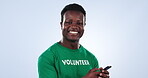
pixel 73 40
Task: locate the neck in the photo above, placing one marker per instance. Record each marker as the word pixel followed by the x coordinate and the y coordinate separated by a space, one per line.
pixel 70 44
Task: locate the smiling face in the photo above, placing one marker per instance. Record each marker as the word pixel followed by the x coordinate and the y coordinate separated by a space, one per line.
pixel 73 25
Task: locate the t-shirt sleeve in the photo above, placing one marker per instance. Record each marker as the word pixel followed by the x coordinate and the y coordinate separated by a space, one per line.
pixel 46 67
pixel 96 64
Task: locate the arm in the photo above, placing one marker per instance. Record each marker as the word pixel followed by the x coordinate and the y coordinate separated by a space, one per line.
pixel 94 74
pixel 46 67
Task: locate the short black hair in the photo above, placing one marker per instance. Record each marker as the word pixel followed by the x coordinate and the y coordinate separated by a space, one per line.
pixel 75 7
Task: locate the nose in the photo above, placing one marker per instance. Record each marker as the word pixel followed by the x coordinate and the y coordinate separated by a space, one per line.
pixel 74 23
pixel 73 27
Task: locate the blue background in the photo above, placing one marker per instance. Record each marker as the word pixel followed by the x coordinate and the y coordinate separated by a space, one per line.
pixel 116 32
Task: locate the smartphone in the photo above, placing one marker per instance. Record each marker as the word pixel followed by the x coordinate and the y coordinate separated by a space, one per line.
pixel 107 67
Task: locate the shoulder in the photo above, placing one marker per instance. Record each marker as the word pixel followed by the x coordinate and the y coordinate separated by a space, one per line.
pixel 87 52
pixel 50 51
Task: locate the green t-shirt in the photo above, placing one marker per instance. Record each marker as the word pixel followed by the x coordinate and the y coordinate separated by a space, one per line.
pixel 61 62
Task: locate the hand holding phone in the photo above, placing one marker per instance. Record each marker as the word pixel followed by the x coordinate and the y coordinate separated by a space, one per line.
pixel 104 73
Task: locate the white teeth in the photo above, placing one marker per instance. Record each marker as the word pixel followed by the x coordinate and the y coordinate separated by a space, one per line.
pixel 73 32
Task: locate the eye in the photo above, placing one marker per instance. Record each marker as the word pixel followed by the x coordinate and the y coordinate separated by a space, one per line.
pixel 68 23
pixel 79 23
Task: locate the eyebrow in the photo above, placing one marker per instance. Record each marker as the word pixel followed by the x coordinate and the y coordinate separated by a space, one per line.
pixel 72 20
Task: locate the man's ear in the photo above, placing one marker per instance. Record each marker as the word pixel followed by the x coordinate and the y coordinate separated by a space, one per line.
pixel 84 23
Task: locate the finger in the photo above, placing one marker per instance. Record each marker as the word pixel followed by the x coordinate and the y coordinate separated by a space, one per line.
pixel 105 71
pixel 105 75
pixel 101 74
pixel 97 73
